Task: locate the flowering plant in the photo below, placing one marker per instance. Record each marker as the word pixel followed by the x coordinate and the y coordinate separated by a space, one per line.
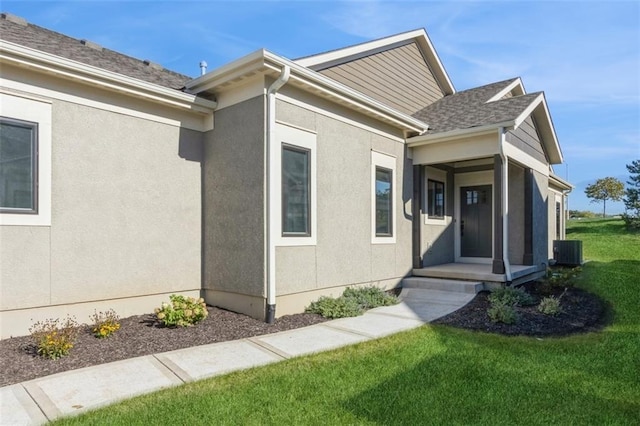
pixel 105 323
pixel 182 311
pixel 54 338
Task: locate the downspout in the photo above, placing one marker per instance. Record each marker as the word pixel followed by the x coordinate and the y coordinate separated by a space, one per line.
pixel 505 205
pixel 271 248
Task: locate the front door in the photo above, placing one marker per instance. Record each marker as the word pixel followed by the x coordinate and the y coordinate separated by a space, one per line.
pixel 475 221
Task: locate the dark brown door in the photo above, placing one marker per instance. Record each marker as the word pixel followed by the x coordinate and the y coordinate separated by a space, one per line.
pixel 475 221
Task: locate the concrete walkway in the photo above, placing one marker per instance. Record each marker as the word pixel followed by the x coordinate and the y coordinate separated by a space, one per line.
pixel 72 392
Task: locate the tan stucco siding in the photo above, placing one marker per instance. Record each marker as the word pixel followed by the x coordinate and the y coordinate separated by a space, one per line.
pixel 344 253
pixel 233 215
pixel 526 138
pixel 398 77
pixel 125 217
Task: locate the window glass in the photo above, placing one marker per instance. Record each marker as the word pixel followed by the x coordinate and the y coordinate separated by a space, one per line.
pixel 435 199
pixel 296 192
pixel 18 157
pixel 384 194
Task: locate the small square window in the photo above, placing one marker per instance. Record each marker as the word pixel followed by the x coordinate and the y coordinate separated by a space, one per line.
pixel 18 166
pixel 435 199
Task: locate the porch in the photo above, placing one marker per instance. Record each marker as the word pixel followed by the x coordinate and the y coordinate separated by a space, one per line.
pixel 481 272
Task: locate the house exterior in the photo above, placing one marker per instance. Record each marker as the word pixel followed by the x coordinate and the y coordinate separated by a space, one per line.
pixel 263 184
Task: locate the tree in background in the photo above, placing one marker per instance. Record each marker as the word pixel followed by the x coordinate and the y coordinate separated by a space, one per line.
pixel 604 189
pixel 632 196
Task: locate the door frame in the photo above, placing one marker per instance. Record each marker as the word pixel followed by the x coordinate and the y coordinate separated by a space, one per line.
pixel 472 179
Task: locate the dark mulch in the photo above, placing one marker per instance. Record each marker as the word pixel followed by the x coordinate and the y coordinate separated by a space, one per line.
pixel 142 335
pixel 138 335
pixel 581 312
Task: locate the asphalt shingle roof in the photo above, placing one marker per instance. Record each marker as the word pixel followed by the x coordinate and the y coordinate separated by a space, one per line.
pixel 469 108
pixel 42 39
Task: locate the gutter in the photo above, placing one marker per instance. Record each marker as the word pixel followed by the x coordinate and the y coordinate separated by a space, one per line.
pixel 270 312
pixel 505 205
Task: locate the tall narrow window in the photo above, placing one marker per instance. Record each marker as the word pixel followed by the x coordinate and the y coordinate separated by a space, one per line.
pixel 384 197
pixel 18 166
pixel 296 192
pixel 435 199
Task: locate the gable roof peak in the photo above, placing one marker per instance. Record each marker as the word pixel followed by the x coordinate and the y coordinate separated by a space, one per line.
pixel 343 55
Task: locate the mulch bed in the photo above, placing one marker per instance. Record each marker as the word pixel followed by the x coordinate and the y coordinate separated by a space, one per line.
pixel 138 335
pixel 142 335
pixel 581 312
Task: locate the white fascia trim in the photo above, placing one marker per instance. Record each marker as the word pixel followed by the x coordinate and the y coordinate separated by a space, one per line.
pixel 456 134
pixel 516 83
pixel 359 50
pixel 24 56
pixel 263 60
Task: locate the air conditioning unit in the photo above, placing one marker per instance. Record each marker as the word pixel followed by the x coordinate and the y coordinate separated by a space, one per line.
pixel 567 252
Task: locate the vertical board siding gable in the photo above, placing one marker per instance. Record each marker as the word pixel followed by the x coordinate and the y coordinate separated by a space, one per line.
pixel 398 77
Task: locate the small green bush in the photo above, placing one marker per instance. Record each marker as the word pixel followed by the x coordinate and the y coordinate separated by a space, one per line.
pixel 369 297
pixel 54 338
pixel 561 277
pixel 511 296
pixel 502 312
pixel 330 307
pixel 105 323
pixel 182 311
pixel 353 302
pixel 551 305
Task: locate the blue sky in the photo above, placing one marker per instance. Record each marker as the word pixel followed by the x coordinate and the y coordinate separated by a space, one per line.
pixel 584 55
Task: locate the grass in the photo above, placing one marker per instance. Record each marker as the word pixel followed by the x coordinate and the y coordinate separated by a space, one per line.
pixel 438 374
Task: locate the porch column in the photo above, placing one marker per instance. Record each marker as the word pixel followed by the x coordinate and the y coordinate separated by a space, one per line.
pixel 416 204
pixel 498 260
pixel 528 217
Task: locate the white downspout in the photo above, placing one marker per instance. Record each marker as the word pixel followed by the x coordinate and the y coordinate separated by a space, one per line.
pixel 270 245
pixel 505 206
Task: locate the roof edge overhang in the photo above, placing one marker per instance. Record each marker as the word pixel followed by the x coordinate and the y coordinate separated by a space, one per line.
pixel 350 53
pixel 267 63
pixel 22 56
pixel 433 138
pixel 560 183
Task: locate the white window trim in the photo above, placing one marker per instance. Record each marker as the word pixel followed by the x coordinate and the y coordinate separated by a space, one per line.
pixel 440 176
pixel 388 162
pixel 287 135
pixel 26 108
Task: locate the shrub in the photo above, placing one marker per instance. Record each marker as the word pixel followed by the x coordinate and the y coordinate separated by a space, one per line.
pixel 511 296
pixel 330 307
pixel 353 302
pixel 502 312
pixel 182 311
pixel 551 305
pixel 369 297
pixel 558 278
pixel 54 338
pixel 105 323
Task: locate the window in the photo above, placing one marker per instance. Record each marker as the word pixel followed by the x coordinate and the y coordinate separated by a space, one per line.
pixel 384 207
pixel 296 191
pixel 435 199
pixel 293 217
pixel 383 194
pixel 18 166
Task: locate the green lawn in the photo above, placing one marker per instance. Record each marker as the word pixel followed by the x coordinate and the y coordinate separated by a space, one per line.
pixel 440 375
